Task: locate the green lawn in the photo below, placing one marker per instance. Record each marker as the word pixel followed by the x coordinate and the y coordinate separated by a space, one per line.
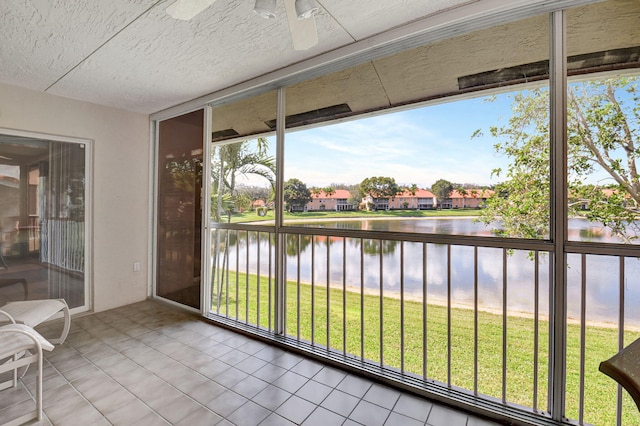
pixel 252 216
pixel 311 325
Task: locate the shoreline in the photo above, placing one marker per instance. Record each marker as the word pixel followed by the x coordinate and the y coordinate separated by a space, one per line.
pixel 360 218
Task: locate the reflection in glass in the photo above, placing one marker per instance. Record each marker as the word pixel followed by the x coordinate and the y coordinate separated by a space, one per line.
pixel 180 157
pixel 42 220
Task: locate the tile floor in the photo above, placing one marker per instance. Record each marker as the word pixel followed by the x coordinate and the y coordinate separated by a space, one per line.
pixel 150 364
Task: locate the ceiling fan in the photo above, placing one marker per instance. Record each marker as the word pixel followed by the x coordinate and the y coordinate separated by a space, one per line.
pixel 300 14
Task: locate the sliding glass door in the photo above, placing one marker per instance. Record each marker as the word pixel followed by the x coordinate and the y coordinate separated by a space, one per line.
pixel 43 193
pixel 179 208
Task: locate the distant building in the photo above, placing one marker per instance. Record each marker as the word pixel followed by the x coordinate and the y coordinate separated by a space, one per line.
pixel 421 199
pixel 470 199
pixel 583 204
pixel 338 200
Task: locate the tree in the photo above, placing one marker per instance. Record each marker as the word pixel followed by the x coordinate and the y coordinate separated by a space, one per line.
pixel 232 161
pixel 296 194
pixel 329 191
pixel 315 191
pixel 254 192
pixel 356 196
pixel 379 187
pixel 412 189
pixel 441 189
pixel 603 131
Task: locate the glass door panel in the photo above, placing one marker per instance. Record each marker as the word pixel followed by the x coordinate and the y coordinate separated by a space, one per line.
pixel 179 225
pixel 42 220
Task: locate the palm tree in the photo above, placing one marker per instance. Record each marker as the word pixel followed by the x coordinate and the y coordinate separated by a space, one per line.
pixel 230 162
pixel 240 159
pixel 329 191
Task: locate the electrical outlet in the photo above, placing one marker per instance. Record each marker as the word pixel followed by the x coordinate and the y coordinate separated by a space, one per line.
pixel 136 266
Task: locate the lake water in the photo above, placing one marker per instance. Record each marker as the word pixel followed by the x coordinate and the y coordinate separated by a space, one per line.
pixel 344 267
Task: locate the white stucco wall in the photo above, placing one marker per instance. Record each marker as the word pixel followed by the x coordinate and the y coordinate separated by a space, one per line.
pixel 120 183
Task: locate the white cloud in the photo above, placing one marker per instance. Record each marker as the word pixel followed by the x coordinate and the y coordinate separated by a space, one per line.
pixel 395 145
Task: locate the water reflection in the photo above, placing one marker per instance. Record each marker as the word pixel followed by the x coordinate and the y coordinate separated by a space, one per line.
pixel 353 262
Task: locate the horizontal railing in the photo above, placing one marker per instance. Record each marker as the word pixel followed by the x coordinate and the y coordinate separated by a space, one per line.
pixel 467 315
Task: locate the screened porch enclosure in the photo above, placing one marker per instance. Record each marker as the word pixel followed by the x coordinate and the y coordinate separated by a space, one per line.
pixel 504 295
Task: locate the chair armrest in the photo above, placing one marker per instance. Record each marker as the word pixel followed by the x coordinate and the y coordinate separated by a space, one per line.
pixel 624 367
pixel 24 330
pixel 6 314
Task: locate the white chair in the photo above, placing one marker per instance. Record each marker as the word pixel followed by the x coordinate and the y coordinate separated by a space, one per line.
pixel 21 345
pixel 35 312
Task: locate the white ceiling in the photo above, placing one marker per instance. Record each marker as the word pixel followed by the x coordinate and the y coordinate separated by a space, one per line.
pixel 130 54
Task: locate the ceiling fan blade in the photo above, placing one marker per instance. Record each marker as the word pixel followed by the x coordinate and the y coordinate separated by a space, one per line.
pixel 304 32
pixel 187 9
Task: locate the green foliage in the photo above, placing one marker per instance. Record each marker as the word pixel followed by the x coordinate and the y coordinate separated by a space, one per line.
pixel 356 195
pixel 232 161
pixel 379 187
pixel 221 205
pixel 186 173
pixel 296 193
pixel 411 189
pixel 441 189
pixel 603 131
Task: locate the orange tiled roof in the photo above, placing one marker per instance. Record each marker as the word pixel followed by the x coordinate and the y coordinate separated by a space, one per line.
pixel 338 194
pixel 420 193
pixel 479 193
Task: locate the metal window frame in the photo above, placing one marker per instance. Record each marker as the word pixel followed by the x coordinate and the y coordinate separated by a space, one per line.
pixel 421 32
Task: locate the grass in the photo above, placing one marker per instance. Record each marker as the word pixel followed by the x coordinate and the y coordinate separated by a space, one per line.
pixel 252 216
pixel 307 319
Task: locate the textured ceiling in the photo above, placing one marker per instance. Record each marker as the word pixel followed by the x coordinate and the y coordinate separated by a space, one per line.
pixel 130 54
pixel 602 38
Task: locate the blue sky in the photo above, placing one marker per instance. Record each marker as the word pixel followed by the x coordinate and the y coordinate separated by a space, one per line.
pixel 415 146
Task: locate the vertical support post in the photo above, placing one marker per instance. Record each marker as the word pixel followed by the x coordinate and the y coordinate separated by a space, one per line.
pixel 620 336
pixel 402 307
pixel 536 328
pixel 258 280
pixel 475 320
pixel 344 296
pixel 206 273
pixel 279 204
pixel 380 246
pixel 361 299
pixel 449 315
pixel 558 213
pixel 424 312
pixel 505 334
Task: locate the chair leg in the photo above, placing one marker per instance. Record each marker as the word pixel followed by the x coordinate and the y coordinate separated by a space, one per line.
pixel 39 387
pixel 15 372
pixel 26 367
